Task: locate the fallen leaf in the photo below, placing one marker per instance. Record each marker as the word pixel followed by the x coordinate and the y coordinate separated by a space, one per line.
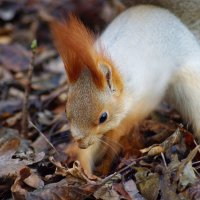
pixel 9 107
pixel 8 10
pixel 188 176
pixel 168 190
pixel 11 121
pixel 24 183
pixel 76 171
pixel 8 165
pixel 188 159
pixel 66 189
pixel 157 149
pixel 132 190
pixel 34 181
pixel 106 192
pixel 119 187
pixel 194 191
pixel 14 57
pixel 148 183
pixel 15 153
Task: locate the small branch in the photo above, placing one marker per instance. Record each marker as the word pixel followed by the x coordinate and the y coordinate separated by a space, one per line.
pixel 164 161
pixel 42 134
pixel 105 180
pixel 108 178
pixel 25 112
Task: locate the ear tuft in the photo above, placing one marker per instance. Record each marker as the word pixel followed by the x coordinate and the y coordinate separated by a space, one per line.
pixel 74 43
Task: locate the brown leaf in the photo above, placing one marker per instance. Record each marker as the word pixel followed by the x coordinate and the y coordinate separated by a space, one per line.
pixel 106 192
pixel 8 165
pixel 119 187
pixel 185 169
pixel 24 183
pixel 76 171
pixel 66 189
pixel 10 161
pixel 14 57
pixel 156 149
pixel 194 191
pixel 132 190
pixel 155 131
pixel 75 186
pixel 148 183
pixel 34 181
pixel 168 190
pixel 188 176
pixel 8 10
pixel 9 107
pixel 11 121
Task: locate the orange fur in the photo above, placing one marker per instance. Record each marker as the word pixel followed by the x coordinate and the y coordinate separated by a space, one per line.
pixel 116 77
pixel 75 43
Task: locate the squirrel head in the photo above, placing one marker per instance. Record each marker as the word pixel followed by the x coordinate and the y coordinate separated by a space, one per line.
pixel 95 97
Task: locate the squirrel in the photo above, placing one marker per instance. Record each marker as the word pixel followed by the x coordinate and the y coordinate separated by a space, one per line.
pixel 116 80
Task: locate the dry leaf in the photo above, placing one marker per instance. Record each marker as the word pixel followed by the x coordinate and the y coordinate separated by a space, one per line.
pixel 8 165
pixel 34 181
pixel 132 190
pixel 31 180
pixel 188 176
pixel 148 183
pixel 14 57
pixel 76 171
pixel 194 191
pixel 61 190
pixel 157 149
pixel 119 187
pixel 106 192
pixel 168 190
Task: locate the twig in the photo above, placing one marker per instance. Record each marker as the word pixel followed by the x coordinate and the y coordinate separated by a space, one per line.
pixel 105 180
pixel 196 144
pixel 25 112
pixel 164 161
pixel 197 162
pixel 42 134
pixel 63 89
pixel 198 167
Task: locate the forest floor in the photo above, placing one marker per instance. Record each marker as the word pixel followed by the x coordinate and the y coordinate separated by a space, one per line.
pixel 160 158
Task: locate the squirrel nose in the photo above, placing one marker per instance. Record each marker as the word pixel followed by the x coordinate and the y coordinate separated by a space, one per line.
pixel 82 144
pixel 79 140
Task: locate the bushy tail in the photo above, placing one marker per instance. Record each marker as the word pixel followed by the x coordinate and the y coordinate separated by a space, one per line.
pixel 184 93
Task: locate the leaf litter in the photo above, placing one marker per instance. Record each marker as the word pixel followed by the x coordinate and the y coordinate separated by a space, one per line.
pixel 161 162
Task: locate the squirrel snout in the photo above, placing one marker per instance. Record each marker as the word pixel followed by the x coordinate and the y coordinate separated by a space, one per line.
pixel 82 144
pixel 83 140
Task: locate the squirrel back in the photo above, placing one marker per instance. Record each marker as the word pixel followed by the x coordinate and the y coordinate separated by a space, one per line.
pixel 187 11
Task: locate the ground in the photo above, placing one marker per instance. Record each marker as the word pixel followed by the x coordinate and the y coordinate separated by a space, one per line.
pixel 159 158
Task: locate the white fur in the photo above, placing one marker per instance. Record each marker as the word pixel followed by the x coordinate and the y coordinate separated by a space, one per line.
pixel 154 51
pixel 187 10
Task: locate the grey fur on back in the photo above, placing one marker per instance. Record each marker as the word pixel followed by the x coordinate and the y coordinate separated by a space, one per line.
pixel 187 10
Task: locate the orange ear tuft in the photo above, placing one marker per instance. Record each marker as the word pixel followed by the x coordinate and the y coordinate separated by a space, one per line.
pixel 75 42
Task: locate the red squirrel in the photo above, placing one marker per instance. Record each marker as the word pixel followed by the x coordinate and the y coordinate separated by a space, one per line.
pixel 116 80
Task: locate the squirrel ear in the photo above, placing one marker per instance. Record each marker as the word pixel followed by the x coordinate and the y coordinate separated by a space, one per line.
pixel 108 75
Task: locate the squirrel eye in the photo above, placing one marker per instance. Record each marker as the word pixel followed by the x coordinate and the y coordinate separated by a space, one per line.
pixel 103 118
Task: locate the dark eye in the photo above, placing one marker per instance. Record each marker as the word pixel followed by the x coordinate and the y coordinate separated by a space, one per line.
pixel 103 118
